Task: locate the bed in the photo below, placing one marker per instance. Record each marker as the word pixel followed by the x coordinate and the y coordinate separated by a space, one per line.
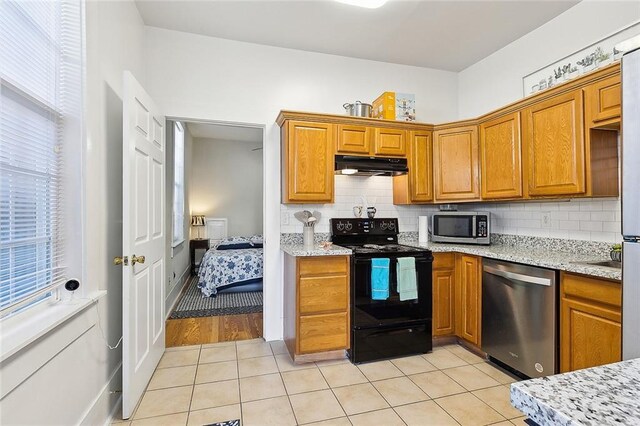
pixel 234 264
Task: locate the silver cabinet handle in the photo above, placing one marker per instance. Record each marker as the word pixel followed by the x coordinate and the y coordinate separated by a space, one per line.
pixel 518 277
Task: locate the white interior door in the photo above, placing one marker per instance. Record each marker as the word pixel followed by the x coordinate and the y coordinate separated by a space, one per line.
pixel 144 236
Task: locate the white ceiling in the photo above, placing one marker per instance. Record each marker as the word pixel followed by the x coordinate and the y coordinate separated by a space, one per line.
pixel 224 132
pixel 447 35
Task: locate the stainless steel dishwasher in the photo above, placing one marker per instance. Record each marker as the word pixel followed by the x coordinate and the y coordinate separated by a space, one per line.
pixel 519 311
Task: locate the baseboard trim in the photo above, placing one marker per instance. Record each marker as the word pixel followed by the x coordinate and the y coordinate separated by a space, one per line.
pixel 107 404
pixel 172 298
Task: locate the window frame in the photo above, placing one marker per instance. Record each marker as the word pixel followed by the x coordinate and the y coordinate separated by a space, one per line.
pixel 72 141
pixel 179 196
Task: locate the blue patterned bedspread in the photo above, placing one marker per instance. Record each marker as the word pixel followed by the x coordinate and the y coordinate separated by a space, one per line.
pixel 222 267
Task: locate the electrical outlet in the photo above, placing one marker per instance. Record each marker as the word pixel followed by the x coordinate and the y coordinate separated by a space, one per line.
pixel 284 218
pixel 546 220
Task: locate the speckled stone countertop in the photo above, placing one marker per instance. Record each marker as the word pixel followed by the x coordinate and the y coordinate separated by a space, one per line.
pixel 299 250
pixel 606 395
pixel 544 256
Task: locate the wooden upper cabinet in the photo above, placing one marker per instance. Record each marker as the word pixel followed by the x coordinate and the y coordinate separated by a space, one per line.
pixel 307 162
pixel 354 139
pixel 390 142
pixel 455 164
pixel 590 322
pixel 500 158
pixel 420 166
pixel 468 295
pixel 553 138
pixel 604 100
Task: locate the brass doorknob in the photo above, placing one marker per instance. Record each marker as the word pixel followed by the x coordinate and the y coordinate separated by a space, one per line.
pixel 120 260
pixel 137 259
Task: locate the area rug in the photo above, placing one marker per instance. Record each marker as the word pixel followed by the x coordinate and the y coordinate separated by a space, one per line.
pixel 227 423
pixel 193 305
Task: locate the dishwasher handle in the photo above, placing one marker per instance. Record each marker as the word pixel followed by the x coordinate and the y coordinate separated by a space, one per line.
pixel 518 277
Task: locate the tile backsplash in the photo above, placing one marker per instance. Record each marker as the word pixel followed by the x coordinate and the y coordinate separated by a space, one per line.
pixel 349 191
pixel 595 219
pixel 579 219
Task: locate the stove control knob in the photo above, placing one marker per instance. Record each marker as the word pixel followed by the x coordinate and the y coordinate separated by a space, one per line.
pixel 392 226
pixel 348 226
pixel 383 226
pixel 340 226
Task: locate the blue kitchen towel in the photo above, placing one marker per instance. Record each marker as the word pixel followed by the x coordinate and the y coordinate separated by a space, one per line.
pixel 380 278
pixel 407 283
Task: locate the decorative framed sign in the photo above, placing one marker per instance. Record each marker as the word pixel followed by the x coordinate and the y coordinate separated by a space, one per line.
pixel 597 54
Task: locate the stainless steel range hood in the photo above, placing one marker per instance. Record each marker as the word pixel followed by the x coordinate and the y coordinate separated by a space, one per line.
pixel 370 166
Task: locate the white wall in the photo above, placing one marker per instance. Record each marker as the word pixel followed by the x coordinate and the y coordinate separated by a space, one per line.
pixel 72 382
pixel 215 79
pixel 226 181
pixel 178 258
pixel 497 79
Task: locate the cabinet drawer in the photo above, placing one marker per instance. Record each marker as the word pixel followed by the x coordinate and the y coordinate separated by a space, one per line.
pixel 443 260
pixel 323 265
pixel 327 332
pixel 594 289
pixel 323 294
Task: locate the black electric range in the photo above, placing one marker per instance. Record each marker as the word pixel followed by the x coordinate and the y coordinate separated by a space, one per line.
pixel 382 329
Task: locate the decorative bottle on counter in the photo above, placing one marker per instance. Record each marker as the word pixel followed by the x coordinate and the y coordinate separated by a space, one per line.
pixel 307 237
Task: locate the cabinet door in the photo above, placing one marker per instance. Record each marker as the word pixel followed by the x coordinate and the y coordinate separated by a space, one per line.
pixel 354 139
pixel 500 154
pixel 420 170
pixel 308 162
pixel 390 142
pixel 455 164
pixel 590 335
pixel 443 302
pixel 468 297
pixel 554 145
pixel 604 100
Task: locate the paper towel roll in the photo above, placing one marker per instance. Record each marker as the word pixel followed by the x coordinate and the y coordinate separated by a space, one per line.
pixel 423 229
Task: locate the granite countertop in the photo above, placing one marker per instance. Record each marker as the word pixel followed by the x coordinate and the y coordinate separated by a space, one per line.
pixel 605 395
pixel 546 258
pixel 299 250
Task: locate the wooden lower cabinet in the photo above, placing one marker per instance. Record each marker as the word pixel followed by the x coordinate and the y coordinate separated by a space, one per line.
pixel 468 294
pixel 443 294
pixel 316 306
pixel 590 322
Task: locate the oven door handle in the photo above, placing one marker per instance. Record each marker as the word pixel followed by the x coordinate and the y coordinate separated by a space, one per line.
pixel 518 277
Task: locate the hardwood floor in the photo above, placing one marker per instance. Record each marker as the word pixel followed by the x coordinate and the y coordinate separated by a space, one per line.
pixel 196 331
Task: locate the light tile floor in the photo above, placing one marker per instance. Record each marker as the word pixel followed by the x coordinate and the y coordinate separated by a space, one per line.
pixel 256 381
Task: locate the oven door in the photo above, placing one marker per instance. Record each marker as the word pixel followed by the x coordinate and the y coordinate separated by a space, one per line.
pixel 367 312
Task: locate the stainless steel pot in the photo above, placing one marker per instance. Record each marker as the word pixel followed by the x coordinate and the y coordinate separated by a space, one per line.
pixel 358 109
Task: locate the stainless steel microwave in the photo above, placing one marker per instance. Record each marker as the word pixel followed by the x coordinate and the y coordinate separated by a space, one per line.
pixel 461 227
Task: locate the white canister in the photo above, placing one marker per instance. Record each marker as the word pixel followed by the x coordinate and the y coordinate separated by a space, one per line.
pixel 307 237
pixel 423 229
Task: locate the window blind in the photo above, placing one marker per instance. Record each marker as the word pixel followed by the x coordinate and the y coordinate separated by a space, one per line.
pixel 178 183
pixel 40 107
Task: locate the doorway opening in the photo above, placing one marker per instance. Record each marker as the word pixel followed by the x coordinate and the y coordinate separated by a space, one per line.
pixel 215 198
